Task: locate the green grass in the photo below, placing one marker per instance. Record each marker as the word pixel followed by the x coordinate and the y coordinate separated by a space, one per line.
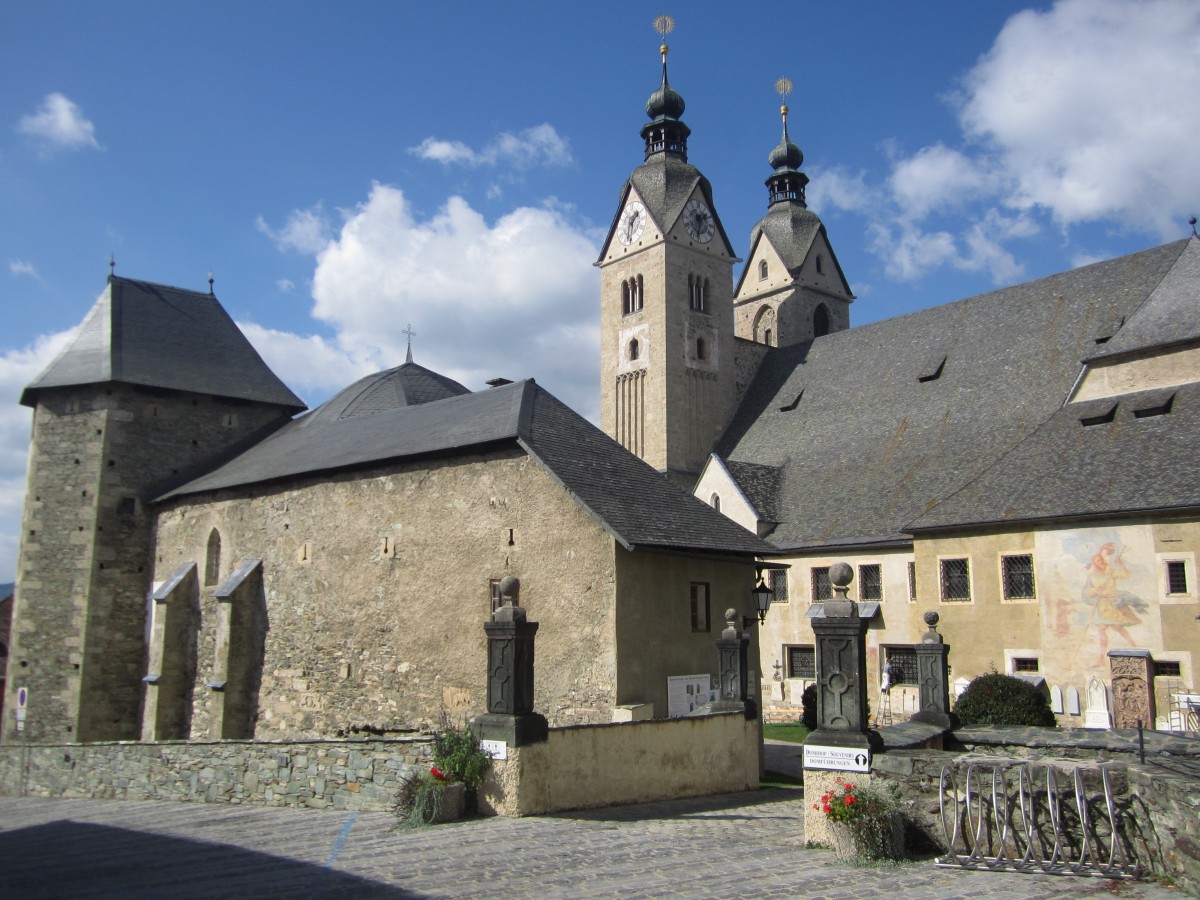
pixel 791 731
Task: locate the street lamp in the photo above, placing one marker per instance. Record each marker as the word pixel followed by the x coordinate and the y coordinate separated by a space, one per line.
pixel 762 598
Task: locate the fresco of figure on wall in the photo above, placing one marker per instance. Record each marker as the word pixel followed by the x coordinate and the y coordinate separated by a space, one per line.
pixel 1113 609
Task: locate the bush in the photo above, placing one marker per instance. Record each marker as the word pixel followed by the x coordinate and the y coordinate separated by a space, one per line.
pixel 996 699
pixel 808 707
pixel 421 799
pixel 458 756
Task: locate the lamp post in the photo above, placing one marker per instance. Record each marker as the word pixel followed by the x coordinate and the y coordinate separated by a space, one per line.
pixel 763 596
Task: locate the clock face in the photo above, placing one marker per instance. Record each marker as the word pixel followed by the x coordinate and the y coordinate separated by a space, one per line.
pixel 632 222
pixel 698 220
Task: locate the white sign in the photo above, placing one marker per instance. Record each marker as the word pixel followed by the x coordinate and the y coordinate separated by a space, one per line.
pixel 686 692
pixel 494 749
pixel 840 759
pixel 22 697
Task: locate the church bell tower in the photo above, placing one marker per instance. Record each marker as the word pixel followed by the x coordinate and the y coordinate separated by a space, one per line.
pixel 666 292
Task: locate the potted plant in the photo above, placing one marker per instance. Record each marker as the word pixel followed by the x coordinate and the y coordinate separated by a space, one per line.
pixel 450 787
pixel 865 821
pixel 429 798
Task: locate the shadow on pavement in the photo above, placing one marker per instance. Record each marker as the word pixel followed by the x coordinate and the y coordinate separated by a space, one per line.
pixel 675 809
pixel 80 860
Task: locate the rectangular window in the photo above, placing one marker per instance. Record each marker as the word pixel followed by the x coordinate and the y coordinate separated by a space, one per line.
pixel 822 587
pixel 699 606
pixel 1176 577
pixel 1025 665
pixel 494 588
pixel 1016 573
pixel 1164 669
pixel 902 661
pixel 779 586
pixel 870 582
pixel 802 662
pixel 912 582
pixel 956 580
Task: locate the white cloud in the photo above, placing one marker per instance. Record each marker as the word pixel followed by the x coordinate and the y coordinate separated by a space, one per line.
pixel 306 231
pixel 841 189
pixel 285 285
pixel 59 123
pixel 310 365
pixel 17 369
pixel 514 298
pixel 23 267
pixel 936 178
pixel 540 145
pixel 1089 109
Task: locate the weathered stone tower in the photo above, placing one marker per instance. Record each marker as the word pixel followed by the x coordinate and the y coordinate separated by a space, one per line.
pixel 156 382
pixel 792 288
pixel 667 342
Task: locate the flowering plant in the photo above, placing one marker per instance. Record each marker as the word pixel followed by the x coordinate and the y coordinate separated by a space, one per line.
pixel 437 773
pixel 841 803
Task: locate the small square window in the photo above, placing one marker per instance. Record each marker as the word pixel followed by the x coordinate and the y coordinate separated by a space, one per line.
pixel 870 582
pixel 802 662
pixel 779 586
pixel 699 606
pixel 1176 577
pixel 956 580
pixel 822 587
pixel 1165 669
pixel 1016 573
pixel 1025 665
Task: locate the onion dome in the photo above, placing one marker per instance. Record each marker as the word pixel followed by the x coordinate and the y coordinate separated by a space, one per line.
pixel 786 155
pixel 665 134
pixel 786 184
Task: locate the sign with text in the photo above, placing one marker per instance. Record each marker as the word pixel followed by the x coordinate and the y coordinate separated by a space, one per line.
pixel 838 759
pixel 494 749
pixel 686 692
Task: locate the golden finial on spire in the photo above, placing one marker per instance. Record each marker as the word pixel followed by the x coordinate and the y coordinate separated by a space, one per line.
pixel 783 87
pixel 664 25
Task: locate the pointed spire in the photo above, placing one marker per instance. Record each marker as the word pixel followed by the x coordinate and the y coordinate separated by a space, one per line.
pixel 411 334
pixel 666 133
pixel 210 283
pixel 788 182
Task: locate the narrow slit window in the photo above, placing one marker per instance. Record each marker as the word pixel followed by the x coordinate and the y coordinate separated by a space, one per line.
pixel 699 606
pixel 633 350
pixel 912 582
pixel 822 587
pixel 762 270
pixel 779 586
pixel 701 349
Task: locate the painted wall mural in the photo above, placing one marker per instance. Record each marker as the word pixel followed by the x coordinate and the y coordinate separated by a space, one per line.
pixel 1098 589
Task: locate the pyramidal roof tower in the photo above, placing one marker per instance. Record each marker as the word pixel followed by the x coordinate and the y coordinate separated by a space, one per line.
pixel 792 288
pixel 667 347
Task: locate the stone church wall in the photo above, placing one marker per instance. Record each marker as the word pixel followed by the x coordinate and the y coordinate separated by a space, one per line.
pixel 84 571
pixel 376 589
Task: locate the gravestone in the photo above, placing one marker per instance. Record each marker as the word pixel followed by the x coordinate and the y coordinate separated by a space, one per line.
pixel 1133 697
pixel 1097 715
pixel 1056 700
pixel 1072 701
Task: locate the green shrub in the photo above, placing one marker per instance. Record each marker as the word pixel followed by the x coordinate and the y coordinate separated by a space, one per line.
pixel 808 707
pixel 458 756
pixel 420 800
pixel 996 699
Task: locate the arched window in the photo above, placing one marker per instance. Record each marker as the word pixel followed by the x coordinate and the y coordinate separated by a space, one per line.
pixel 764 324
pixel 626 305
pixel 212 562
pixel 762 270
pixel 715 502
pixel 767 337
pixel 820 265
pixel 701 350
pixel 820 321
pixel 637 295
pixel 633 349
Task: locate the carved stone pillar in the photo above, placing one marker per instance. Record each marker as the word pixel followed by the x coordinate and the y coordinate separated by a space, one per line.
pixel 1132 688
pixel 510 716
pixel 932 679
pixel 733 666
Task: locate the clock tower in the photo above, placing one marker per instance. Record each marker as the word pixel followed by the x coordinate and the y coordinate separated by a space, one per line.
pixel 666 293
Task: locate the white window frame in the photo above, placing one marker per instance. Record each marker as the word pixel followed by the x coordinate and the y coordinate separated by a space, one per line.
pixel 1189 570
pixel 1010 656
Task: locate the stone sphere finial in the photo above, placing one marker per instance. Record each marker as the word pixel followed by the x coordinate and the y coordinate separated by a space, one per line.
pixel 731 615
pixel 931 618
pixel 841 574
pixel 510 590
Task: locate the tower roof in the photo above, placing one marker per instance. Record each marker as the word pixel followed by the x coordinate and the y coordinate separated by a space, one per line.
pixel 157 336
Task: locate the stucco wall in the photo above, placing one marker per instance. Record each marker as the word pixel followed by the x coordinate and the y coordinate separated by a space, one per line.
pixel 363 632
pixel 655 639
pixel 634 762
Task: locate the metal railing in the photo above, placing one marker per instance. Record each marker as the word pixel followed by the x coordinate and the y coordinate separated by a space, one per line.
pixel 1013 817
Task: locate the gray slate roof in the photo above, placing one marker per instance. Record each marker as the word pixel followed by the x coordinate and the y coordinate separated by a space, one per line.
pixel 631 500
pixel 1171 315
pixel 870 448
pixel 760 484
pixel 1066 469
pixel 665 183
pixel 163 337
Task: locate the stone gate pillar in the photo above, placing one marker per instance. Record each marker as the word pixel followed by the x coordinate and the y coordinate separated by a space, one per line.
pixel 733 667
pixel 510 716
pixel 934 703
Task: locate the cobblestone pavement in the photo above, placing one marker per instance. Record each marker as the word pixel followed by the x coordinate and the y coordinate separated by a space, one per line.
pixel 741 845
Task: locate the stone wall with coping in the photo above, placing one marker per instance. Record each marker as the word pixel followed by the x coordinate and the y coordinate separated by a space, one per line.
pixel 352 774
pixel 590 766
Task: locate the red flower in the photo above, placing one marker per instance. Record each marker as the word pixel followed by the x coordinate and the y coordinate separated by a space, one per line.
pixel 437 773
pixel 849 800
pixel 828 808
pixel 849 786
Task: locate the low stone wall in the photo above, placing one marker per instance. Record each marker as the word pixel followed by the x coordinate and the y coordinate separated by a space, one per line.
pixel 1161 798
pixel 588 766
pixel 352 774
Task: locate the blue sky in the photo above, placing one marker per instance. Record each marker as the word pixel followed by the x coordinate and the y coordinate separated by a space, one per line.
pixel 347 170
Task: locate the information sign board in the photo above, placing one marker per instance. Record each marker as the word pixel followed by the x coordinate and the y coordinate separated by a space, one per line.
pixel 494 749
pixel 840 759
